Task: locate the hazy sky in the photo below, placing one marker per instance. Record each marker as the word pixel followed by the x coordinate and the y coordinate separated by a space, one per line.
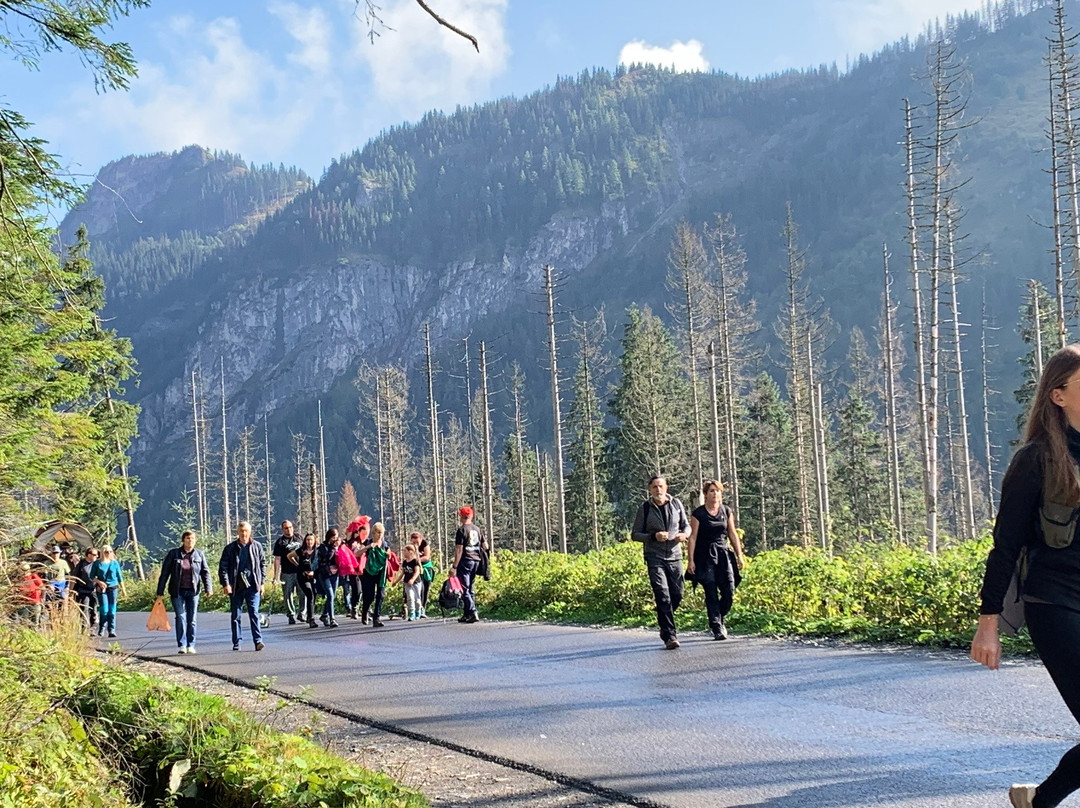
pixel 300 83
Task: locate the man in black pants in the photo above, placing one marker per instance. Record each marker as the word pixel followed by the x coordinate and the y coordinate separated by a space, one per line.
pixel 285 569
pixel 661 526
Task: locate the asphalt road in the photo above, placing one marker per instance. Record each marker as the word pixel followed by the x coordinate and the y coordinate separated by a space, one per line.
pixel 746 722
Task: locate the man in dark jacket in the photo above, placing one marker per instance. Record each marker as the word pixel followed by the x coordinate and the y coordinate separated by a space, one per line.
pixel 85 591
pixel 661 526
pixel 242 570
pixel 186 573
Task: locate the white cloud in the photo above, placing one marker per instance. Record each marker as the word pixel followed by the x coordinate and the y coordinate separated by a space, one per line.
pixel 418 65
pixel 866 25
pixel 685 57
pixel 311 29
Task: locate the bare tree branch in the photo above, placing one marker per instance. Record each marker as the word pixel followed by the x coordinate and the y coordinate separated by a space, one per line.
pixel 446 24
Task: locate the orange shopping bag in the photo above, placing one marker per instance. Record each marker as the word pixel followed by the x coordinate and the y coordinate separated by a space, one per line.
pixel 159 618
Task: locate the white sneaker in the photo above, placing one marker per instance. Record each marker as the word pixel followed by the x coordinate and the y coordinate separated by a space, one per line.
pixel 1022 795
pixel 181 650
pixel 191 649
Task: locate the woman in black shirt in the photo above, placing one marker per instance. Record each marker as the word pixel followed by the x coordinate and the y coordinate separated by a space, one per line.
pixel 715 555
pixel 307 563
pixel 1042 479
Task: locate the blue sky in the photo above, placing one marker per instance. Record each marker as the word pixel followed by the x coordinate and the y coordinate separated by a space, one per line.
pixel 284 81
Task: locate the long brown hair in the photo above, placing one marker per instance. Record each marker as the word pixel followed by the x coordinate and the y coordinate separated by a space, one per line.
pixel 1046 425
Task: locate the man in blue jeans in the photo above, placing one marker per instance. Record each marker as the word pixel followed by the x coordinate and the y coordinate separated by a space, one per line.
pixel 469 546
pixel 242 571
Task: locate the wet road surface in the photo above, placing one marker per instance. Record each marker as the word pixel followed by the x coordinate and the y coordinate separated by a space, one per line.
pixel 746 722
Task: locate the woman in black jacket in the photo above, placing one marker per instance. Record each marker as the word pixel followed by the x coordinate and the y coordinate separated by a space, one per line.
pixel 327 573
pixel 187 575
pixel 1042 480
pixel 308 563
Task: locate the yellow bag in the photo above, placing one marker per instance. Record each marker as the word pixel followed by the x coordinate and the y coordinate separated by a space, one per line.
pixel 159 618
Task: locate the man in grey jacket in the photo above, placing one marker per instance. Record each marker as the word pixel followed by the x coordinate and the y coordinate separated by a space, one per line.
pixel 661 526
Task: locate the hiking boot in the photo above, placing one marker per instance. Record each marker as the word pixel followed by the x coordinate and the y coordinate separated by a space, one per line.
pixel 671 644
pixel 259 646
pixel 1022 796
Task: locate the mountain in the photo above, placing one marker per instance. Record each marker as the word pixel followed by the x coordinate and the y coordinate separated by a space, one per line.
pixel 448 221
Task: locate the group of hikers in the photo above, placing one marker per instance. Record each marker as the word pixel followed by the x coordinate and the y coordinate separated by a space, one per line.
pixel 360 566
pixel 91 580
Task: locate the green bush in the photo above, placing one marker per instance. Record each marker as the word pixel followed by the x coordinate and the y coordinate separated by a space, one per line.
pixel 888 593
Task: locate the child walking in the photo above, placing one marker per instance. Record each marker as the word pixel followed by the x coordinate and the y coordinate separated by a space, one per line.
pixel 414 585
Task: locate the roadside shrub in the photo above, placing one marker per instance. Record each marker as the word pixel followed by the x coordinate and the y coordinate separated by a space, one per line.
pixel 889 593
pixel 75 731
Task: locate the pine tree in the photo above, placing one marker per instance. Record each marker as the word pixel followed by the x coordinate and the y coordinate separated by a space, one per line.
pixel 588 505
pixel 651 412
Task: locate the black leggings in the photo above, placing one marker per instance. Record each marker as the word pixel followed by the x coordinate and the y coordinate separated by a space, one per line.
pixel 1055 631
pixel 373 591
pixel 307 597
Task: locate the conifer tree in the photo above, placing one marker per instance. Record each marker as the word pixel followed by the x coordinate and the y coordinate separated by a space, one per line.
pixel 651 412
pixel 588 506
pixel 860 469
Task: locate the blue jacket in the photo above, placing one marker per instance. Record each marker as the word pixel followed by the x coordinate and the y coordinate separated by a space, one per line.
pixel 229 566
pixel 170 572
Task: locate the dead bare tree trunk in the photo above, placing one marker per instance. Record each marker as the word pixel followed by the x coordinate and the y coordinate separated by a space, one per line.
pixel 266 480
pixel 556 408
pixel 313 492
pixel 200 491
pixel 227 528
pixel 818 444
pixel 298 457
pixel 929 491
pixel 891 427
pixel 686 263
pixel 129 507
pixel 489 476
pixel 324 497
pixel 379 445
pixel 1056 171
pixel 986 414
pixel 433 427
pixel 1064 45
pixel 541 484
pixel 711 353
pixel 517 383
pixel 967 498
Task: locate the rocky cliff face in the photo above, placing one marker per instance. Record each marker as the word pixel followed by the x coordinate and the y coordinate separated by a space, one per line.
pixel 284 337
